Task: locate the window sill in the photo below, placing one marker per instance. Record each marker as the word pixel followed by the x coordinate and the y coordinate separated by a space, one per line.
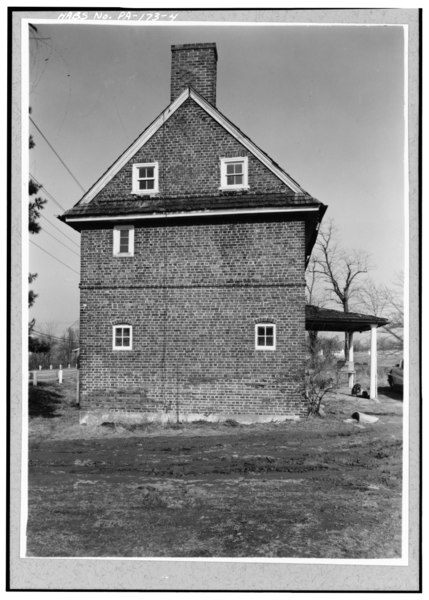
pixel 123 255
pixel 150 194
pixel 231 188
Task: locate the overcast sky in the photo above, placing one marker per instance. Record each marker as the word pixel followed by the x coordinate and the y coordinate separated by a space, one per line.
pixel 326 103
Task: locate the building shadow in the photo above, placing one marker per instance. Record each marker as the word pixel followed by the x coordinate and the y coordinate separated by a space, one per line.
pixel 43 401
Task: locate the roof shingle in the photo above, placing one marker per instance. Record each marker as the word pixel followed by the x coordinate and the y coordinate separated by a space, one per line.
pixel 138 205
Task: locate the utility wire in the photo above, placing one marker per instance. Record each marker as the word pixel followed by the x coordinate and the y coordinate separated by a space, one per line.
pixel 53 336
pixel 58 204
pixel 47 193
pixel 58 229
pixel 56 154
pixel 63 263
pixel 49 335
pixel 58 240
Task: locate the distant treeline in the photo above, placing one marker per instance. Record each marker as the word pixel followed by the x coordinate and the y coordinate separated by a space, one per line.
pixel 47 349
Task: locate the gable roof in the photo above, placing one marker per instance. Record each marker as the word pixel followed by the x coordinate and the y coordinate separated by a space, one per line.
pixel 162 118
pixel 126 207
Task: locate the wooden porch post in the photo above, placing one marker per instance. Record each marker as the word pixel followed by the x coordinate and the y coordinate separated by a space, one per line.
pixel 351 363
pixel 373 385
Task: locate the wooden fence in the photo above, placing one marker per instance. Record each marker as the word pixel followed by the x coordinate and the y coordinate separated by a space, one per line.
pixel 52 375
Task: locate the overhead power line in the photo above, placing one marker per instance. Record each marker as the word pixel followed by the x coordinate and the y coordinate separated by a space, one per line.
pixel 62 243
pixel 47 193
pixel 58 229
pixel 48 335
pixel 57 259
pixel 56 154
pixel 50 196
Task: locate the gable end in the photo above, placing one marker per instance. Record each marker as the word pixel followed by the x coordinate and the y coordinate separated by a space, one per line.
pixel 161 120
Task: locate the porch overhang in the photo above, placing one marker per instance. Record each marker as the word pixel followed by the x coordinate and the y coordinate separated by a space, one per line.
pixel 326 319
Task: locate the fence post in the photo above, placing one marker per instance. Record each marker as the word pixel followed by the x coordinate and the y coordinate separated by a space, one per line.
pixel 77 388
pixel 34 377
pixel 50 367
pixel 40 367
pixel 60 374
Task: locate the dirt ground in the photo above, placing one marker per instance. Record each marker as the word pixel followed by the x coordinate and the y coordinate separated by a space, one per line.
pixel 313 488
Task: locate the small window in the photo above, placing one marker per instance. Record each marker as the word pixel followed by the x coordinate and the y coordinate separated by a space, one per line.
pixel 122 337
pixel 233 173
pixel 123 240
pixel 265 336
pixel 145 178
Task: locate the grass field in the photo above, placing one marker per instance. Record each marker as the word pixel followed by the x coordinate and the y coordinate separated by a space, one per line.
pixel 313 488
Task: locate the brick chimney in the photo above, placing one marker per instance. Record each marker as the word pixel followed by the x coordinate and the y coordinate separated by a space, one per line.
pixel 194 65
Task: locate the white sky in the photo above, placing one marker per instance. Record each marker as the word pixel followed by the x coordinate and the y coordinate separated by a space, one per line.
pixel 326 103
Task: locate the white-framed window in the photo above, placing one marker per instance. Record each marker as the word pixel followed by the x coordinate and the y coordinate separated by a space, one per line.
pixel 122 337
pixel 265 336
pixel 123 240
pixel 145 178
pixel 233 173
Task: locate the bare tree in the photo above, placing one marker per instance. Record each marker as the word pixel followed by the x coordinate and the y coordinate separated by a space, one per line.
pixel 48 335
pixel 312 297
pixel 385 301
pixel 341 272
pixel 50 349
pixel 69 342
pixel 374 298
pixel 395 327
pixel 315 295
pixel 311 281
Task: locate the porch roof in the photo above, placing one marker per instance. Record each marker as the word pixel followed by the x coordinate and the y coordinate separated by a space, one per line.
pixel 327 319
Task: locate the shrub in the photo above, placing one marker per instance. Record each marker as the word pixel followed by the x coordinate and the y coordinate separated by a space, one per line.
pixel 231 423
pixel 317 384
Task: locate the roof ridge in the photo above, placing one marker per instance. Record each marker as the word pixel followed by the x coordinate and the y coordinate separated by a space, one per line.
pixel 179 100
pixel 160 120
pixel 250 140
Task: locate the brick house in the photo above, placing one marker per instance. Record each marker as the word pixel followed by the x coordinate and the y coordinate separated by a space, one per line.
pixel 194 245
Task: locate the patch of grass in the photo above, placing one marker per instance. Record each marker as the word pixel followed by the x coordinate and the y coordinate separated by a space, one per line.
pixel 315 488
pixel 136 427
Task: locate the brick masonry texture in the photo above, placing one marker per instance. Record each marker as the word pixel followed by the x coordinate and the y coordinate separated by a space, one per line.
pixel 194 65
pixel 188 148
pixel 196 287
pixel 193 294
pixel 247 252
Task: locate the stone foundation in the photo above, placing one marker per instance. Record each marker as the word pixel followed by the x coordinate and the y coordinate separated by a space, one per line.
pixel 139 418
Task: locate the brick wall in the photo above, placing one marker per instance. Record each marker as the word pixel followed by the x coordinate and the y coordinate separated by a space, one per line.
pixel 194 65
pixel 188 148
pixel 211 252
pixel 194 290
pixel 193 294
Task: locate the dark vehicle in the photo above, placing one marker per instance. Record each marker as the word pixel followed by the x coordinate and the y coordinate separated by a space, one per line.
pixel 395 376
